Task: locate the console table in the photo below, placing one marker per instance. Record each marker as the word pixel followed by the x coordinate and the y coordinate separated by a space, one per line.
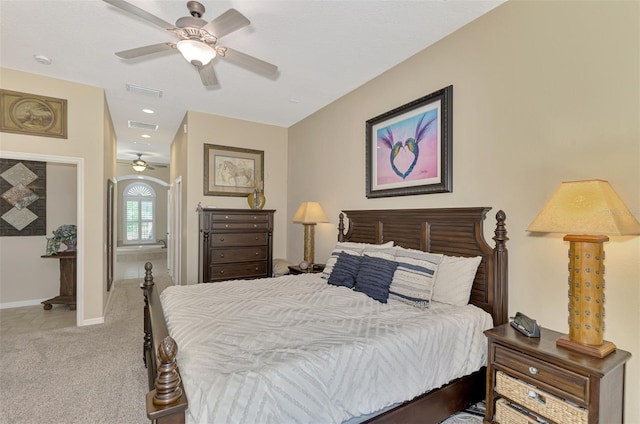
pixel 67 281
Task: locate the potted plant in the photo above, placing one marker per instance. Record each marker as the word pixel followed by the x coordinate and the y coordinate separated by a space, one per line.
pixel 66 234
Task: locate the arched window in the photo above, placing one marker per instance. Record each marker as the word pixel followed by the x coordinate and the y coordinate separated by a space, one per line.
pixel 139 213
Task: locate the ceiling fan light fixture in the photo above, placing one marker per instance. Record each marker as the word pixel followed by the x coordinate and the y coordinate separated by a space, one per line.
pixel 196 52
pixel 139 165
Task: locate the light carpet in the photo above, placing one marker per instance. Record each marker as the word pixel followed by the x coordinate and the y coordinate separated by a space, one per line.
pixel 92 374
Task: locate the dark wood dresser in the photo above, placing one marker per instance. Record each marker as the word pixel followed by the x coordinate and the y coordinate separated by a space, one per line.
pixel 531 378
pixel 235 244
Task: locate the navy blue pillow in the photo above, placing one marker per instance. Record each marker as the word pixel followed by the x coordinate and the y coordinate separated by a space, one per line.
pixel 374 277
pixel 345 270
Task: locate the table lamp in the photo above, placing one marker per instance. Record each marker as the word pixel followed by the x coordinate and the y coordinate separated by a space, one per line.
pixel 309 214
pixel 588 212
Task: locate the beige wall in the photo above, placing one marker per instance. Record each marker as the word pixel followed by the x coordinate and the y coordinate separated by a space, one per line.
pixel 211 129
pixel 84 145
pixel 544 92
pixel 25 277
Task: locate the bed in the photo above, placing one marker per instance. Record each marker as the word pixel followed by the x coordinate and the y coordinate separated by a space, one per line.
pixel 450 231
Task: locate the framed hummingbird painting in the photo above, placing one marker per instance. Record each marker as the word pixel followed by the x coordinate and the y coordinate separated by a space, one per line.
pixel 409 149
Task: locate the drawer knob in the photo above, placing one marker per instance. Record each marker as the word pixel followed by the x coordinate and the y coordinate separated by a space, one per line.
pixel 221 271
pixel 533 370
pixel 222 255
pixel 221 238
pixel 226 225
pixel 256 268
pixel 538 398
pixel 257 253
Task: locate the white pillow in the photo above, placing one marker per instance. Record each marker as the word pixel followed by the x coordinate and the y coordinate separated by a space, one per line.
pixel 351 249
pixel 414 277
pixel 454 279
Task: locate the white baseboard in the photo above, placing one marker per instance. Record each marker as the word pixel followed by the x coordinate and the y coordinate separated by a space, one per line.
pixel 92 321
pixel 22 303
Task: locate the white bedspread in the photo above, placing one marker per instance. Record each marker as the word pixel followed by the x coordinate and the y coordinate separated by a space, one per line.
pixel 295 349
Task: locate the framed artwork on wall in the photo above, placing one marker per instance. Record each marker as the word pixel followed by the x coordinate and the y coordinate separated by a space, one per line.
pixel 232 171
pixel 23 198
pixel 409 149
pixel 32 114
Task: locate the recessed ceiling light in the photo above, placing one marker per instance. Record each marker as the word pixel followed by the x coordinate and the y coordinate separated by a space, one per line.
pixel 145 136
pixel 144 143
pixel 148 111
pixel 42 59
pixel 294 100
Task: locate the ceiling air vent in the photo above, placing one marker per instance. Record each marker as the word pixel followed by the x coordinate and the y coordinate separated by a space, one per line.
pixel 142 126
pixel 151 92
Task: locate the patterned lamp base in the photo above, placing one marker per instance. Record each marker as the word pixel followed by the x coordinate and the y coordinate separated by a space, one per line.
pixel 586 297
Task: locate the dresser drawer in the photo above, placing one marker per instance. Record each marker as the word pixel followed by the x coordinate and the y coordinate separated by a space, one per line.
pixel 240 225
pixel 561 382
pixel 539 402
pixel 238 254
pixel 238 239
pixel 232 271
pixel 238 217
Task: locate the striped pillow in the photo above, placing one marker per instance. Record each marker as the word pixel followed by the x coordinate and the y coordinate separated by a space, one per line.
pixel 374 277
pixel 345 270
pixel 351 249
pixel 415 276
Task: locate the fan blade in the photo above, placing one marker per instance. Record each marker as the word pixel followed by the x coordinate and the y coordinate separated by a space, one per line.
pixel 208 75
pixel 135 10
pixel 229 21
pixel 141 51
pixel 249 62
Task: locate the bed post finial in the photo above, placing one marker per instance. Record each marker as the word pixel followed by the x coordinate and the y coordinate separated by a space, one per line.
pixel 148 277
pixel 501 231
pixel 341 227
pixel 501 311
pixel 168 380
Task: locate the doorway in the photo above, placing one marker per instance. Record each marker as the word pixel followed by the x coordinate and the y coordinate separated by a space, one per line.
pixel 80 225
pixel 141 225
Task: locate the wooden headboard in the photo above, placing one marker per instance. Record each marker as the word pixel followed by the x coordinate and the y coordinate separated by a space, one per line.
pixel 451 231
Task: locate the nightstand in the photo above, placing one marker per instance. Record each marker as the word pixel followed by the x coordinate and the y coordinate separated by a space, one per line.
pixel 315 268
pixel 529 377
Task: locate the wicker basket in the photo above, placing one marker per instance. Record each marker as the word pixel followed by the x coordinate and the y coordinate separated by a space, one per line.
pixel 540 402
pixel 507 415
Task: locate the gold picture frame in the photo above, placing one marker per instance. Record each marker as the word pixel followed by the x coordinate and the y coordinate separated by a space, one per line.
pixel 232 171
pixel 32 114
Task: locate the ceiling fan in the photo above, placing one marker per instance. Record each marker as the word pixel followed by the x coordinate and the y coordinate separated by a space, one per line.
pixel 140 165
pixel 198 40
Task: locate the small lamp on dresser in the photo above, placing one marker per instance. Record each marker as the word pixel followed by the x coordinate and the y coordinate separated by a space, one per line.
pixel 588 212
pixel 309 214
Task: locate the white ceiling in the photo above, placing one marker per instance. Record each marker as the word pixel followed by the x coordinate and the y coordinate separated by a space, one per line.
pixel 323 49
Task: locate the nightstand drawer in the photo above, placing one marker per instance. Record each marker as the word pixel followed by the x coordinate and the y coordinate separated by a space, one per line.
pixel 561 382
pixel 540 402
pixel 505 414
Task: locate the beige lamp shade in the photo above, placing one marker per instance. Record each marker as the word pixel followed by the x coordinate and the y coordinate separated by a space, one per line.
pixel 310 213
pixel 588 207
